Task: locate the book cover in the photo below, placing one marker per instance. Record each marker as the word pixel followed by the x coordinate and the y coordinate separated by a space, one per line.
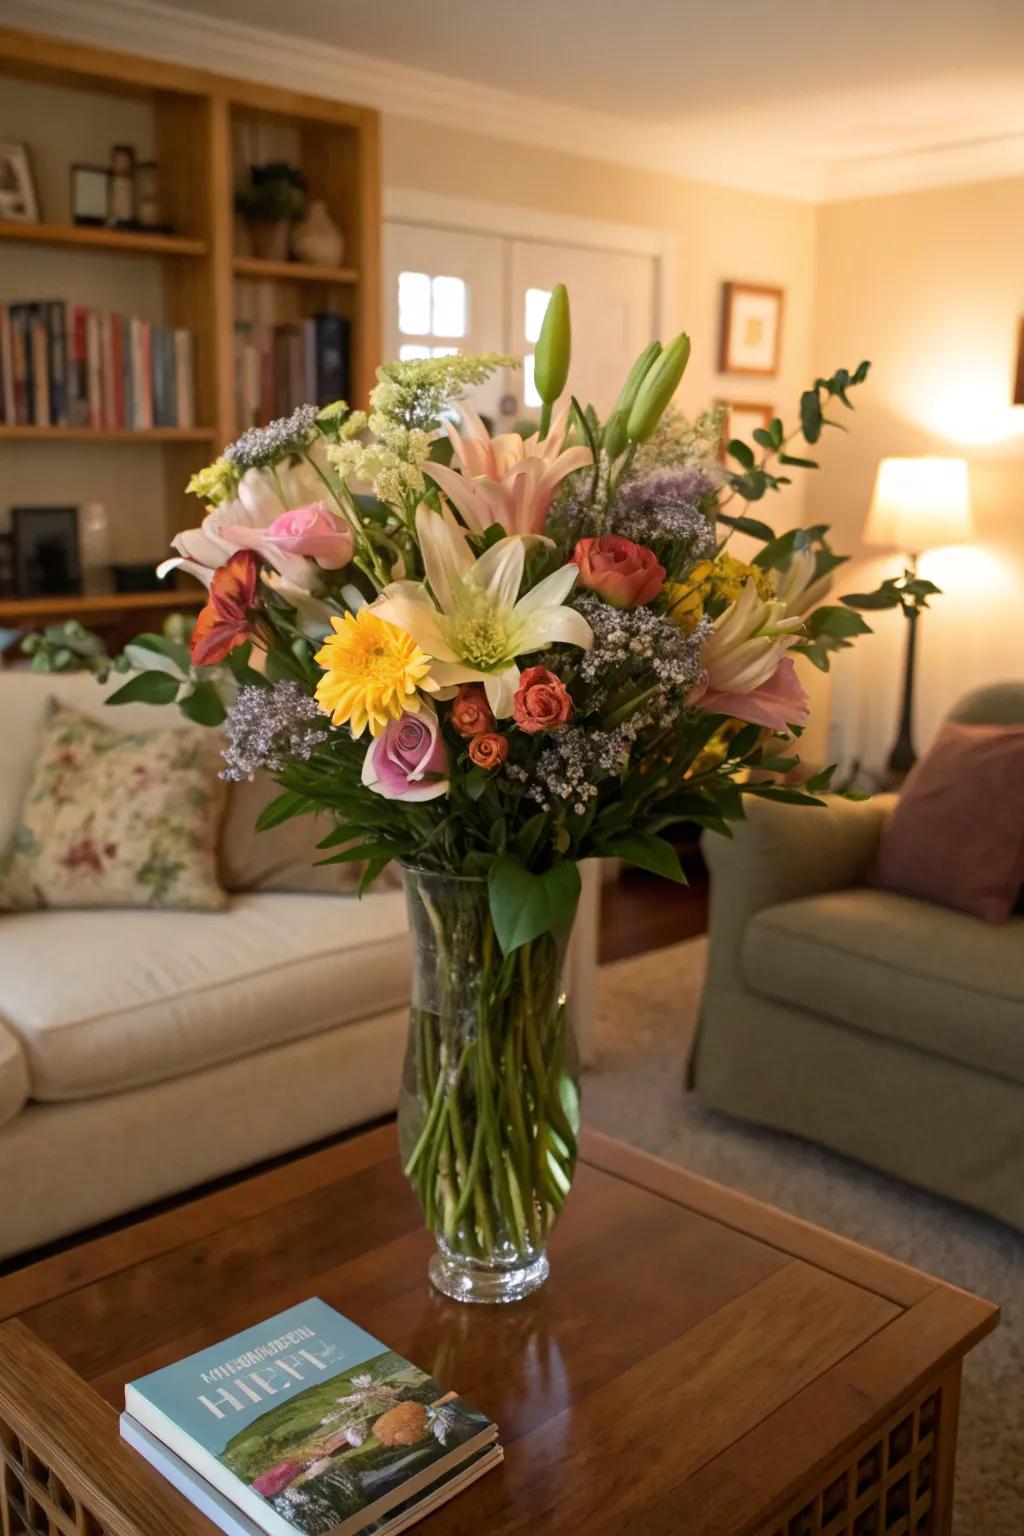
pixel 184 379
pixel 21 354
pixel 57 361
pixel 95 368
pixel 78 368
pixel 307 1423
pixel 233 1522
pixel 10 410
pixel 107 391
pixel 332 341
pixel 40 345
pixel 117 359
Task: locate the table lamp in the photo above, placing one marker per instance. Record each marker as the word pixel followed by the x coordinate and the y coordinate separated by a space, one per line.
pixel 918 504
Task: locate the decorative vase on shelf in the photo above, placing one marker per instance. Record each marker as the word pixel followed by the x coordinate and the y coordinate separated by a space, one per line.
pixel 488 1115
pixel 269 238
pixel 317 240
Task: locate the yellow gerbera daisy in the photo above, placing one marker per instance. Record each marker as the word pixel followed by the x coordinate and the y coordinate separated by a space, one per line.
pixel 372 671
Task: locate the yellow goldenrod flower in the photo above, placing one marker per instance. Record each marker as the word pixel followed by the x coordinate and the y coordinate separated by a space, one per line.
pixel 724 577
pixel 372 671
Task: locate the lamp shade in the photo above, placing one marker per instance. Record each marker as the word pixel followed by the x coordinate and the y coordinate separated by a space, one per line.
pixel 919 503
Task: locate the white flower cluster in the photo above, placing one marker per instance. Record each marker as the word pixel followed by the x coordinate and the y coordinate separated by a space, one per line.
pixel 414 394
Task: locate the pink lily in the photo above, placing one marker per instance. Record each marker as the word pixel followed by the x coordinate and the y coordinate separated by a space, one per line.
pixel 504 479
pixel 776 703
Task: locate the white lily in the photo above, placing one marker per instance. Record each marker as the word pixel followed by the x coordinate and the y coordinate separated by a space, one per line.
pixel 473 627
pixel 749 640
pixel 200 551
pixel 796 586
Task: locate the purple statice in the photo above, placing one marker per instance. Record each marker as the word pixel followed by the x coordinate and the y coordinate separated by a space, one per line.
pixel 270 727
pixel 261 446
pixel 639 654
pixel 666 505
pixel 637 644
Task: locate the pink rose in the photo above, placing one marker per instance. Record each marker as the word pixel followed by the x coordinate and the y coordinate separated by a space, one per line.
pixel 294 538
pixel 776 703
pixel 623 573
pixel 541 702
pixel 408 760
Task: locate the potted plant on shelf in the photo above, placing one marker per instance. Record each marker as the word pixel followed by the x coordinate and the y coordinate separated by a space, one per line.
pixel 270 201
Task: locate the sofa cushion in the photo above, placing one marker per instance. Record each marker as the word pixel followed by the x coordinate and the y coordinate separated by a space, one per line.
pixel 13 1076
pixel 899 968
pixel 108 1001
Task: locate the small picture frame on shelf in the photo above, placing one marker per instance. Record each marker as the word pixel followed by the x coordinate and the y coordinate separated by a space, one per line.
pixel 147 196
pixel 122 186
pixel 742 418
pixel 751 329
pixel 18 199
pixel 46 562
pixel 90 194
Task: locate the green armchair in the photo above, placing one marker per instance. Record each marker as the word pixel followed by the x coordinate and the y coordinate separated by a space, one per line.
pixel 883 1027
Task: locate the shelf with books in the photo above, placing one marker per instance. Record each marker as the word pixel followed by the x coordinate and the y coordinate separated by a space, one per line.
pixel 255 268
pixel 95 237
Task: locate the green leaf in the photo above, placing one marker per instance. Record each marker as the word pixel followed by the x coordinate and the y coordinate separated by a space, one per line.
pixel 526 840
pixel 524 905
pixel 763 437
pixel 751 525
pixel 776 792
pixel 820 781
pixel 203 705
pixel 286 805
pixel 383 851
pixel 789 458
pixel 646 852
pixel 738 450
pixel 162 646
pixel 884 597
pixel 837 623
pixel 810 415
pixel 372 870
pixel 147 688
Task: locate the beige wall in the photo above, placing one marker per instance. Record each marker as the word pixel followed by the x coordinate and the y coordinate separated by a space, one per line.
pixel 720 234
pixel 930 286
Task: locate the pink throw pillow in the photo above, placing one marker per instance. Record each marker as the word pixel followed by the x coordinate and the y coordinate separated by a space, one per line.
pixel 956 836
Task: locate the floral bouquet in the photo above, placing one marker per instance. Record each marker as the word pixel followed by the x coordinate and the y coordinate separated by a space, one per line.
pixel 490 657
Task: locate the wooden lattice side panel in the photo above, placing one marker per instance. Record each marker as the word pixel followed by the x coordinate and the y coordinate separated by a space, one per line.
pixel 33 1500
pixel 64 1469
pixel 896 1482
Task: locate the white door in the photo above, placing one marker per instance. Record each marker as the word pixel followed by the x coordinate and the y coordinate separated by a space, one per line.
pixel 447 290
pixel 612 301
pixel 444 291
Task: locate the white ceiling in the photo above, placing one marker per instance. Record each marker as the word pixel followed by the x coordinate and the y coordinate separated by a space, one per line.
pixel 809 97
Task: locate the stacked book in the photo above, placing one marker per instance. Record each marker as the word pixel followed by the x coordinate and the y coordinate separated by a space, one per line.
pixel 279 366
pixel 63 365
pixel 307 1426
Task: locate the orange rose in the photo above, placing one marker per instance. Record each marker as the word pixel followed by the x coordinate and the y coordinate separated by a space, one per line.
pixel 488 750
pixel 623 573
pixel 542 702
pixel 471 713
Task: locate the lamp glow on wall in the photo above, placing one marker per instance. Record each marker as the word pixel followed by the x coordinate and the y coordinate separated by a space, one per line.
pixel 918 504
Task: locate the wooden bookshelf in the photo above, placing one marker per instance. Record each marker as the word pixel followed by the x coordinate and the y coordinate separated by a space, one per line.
pixel 93 237
pixel 204 279
pixel 18 611
pixel 255 268
pixel 107 434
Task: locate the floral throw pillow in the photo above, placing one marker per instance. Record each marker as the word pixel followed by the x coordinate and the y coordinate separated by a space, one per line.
pixel 113 819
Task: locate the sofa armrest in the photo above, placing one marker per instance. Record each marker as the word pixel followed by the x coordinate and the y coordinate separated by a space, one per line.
pixel 781 852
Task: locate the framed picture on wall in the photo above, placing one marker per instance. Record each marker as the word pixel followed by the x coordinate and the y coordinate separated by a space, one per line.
pixel 18 200
pixel 741 419
pixel 751 329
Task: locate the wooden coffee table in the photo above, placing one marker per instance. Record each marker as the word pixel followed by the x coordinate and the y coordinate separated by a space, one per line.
pixel 697 1362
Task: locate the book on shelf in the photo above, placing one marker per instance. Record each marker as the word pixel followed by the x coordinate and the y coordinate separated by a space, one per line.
pixel 306 1425
pixel 280 366
pixel 65 365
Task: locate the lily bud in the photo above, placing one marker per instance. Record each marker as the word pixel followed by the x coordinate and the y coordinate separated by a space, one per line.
pixel 554 345
pixel 657 390
pixel 615 439
pixel 639 371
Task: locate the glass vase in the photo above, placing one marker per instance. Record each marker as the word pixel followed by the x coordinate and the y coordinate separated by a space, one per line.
pixel 488 1114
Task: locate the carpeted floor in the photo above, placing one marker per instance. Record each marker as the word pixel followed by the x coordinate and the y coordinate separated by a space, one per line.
pixel 647 1007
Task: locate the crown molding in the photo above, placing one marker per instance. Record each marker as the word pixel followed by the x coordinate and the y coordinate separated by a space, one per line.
pixel 256 53
pixel 944 165
pixel 164 31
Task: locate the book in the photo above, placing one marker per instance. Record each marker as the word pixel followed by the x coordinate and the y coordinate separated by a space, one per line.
pixel 332 346
pixel 308 1424
pixel 230 1519
pixel 10 414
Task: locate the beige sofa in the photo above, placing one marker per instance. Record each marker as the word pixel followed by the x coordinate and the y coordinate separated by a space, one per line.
pixel 143 1052
pixel 887 1028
